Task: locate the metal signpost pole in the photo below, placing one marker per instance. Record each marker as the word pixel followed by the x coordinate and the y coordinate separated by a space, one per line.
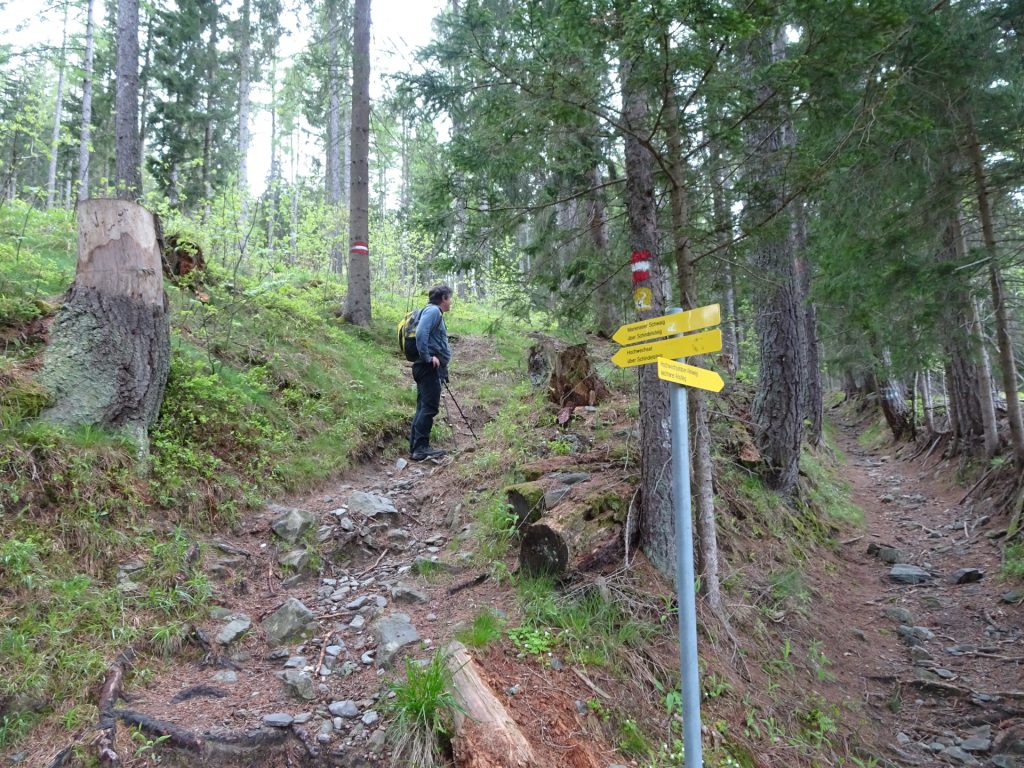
pixel 685 576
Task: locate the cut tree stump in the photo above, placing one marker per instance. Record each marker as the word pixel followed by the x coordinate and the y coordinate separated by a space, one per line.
pixel 486 736
pixel 109 351
pixel 572 380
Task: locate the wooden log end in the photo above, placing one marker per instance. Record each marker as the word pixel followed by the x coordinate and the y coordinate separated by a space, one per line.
pixel 543 552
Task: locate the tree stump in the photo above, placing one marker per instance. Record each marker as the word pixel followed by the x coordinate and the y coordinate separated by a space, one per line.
pixel 572 380
pixel 486 736
pixel 109 351
pixel 527 502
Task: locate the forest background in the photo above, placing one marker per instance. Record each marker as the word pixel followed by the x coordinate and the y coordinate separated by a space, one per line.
pixel 844 178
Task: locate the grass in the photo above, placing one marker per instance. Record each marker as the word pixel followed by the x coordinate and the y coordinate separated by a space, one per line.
pixel 422 710
pixel 484 630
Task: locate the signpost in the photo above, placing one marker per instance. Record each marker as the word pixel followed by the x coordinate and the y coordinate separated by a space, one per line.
pixel 667 325
pixel 680 375
pixel 677 346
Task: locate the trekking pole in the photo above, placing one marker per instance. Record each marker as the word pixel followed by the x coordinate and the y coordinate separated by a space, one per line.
pixel 459 407
pixel 451 422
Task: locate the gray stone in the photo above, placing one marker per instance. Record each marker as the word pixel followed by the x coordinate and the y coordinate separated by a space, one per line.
pixel 278 720
pixel 356 604
pixel 976 744
pixel 555 495
pixel 403 594
pixel 899 615
pixel 373 507
pixel 378 740
pixel 370 718
pixel 918 653
pixel 393 632
pixel 967 576
pixel 399 538
pixel 292 524
pixel 226 676
pixel 903 573
pixel 571 478
pixel 300 684
pixel 295 662
pixel 401 464
pixel 955 753
pixel 347 709
pixel 358 622
pixel 234 630
pixel 288 622
pixel 297 559
pixel 1013 596
pixel 302 718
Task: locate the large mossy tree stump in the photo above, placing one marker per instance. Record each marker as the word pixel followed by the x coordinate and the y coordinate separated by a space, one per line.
pixel 109 352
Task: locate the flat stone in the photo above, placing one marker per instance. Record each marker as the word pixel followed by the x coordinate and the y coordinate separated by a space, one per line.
pixel 347 709
pixel 899 615
pixel 967 576
pixel 902 573
pixel 278 720
pixel 233 630
pixel 976 744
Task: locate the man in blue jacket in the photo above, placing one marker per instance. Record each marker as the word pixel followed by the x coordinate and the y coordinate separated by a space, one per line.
pixel 430 371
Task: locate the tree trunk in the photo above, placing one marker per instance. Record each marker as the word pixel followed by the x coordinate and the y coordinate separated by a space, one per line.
pixel 985 385
pixel 485 736
pixel 86 128
pixel 244 87
pixel 357 300
pixel 211 69
pixel 109 352
pixel 58 110
pixel 776 409
pixel 724 227
pixel 1007 364
pixel 812 396
pixel 333 165
pixel 926 402
pixel 128 144
pixel 657 529
pixel 704 508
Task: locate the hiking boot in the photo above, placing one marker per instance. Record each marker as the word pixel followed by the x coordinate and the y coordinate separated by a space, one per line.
pixel 432 453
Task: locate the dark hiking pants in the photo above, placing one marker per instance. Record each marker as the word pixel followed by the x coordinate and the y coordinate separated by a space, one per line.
pixel 428 402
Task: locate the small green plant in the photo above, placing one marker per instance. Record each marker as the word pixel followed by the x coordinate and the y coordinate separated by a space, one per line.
pixel 817 725
pixel 531 640
pixel 819 662
pixel 560 446
pixel 146 749
pixel 1013 561
pixel 423 708
pixel 632 740
pixel 715 687
pixel 485 629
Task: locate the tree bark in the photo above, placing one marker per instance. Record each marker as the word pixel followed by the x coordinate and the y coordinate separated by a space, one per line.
pixel 776 409
pixel 1007 364
pixel 333 165
pixel 86 127
pixel 58 110
pixel 357 300
pixel 657 528
pixel 109 351
pixel 128 143
pixel 244 87
pixel 486 736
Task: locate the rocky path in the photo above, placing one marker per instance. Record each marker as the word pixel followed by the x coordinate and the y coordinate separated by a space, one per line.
pixel 942 662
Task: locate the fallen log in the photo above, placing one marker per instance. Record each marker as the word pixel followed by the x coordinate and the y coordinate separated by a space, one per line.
pixel 486 736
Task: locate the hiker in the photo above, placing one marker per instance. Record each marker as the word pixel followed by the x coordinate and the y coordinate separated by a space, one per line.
pixel 430 371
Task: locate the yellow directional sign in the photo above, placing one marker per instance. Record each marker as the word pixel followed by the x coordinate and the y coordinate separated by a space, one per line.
pixel 667 325
pixel 689 375
pixel 678 346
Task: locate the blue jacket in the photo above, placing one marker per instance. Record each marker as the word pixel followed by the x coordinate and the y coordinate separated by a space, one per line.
pixel 432 338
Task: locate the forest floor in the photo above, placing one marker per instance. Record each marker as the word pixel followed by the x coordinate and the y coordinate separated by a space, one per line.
pixel 934 669
pixel 942 665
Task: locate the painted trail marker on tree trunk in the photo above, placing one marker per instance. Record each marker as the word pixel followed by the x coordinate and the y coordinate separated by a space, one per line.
pixel 680 376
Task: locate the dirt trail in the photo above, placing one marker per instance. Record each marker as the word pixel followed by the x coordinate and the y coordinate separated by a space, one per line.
pixel 941 662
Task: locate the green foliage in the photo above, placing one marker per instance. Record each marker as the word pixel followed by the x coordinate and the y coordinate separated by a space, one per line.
pixel 827 493
pixel 484 630
pixel 422 708
pixel 532 640
pixel 1013 561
